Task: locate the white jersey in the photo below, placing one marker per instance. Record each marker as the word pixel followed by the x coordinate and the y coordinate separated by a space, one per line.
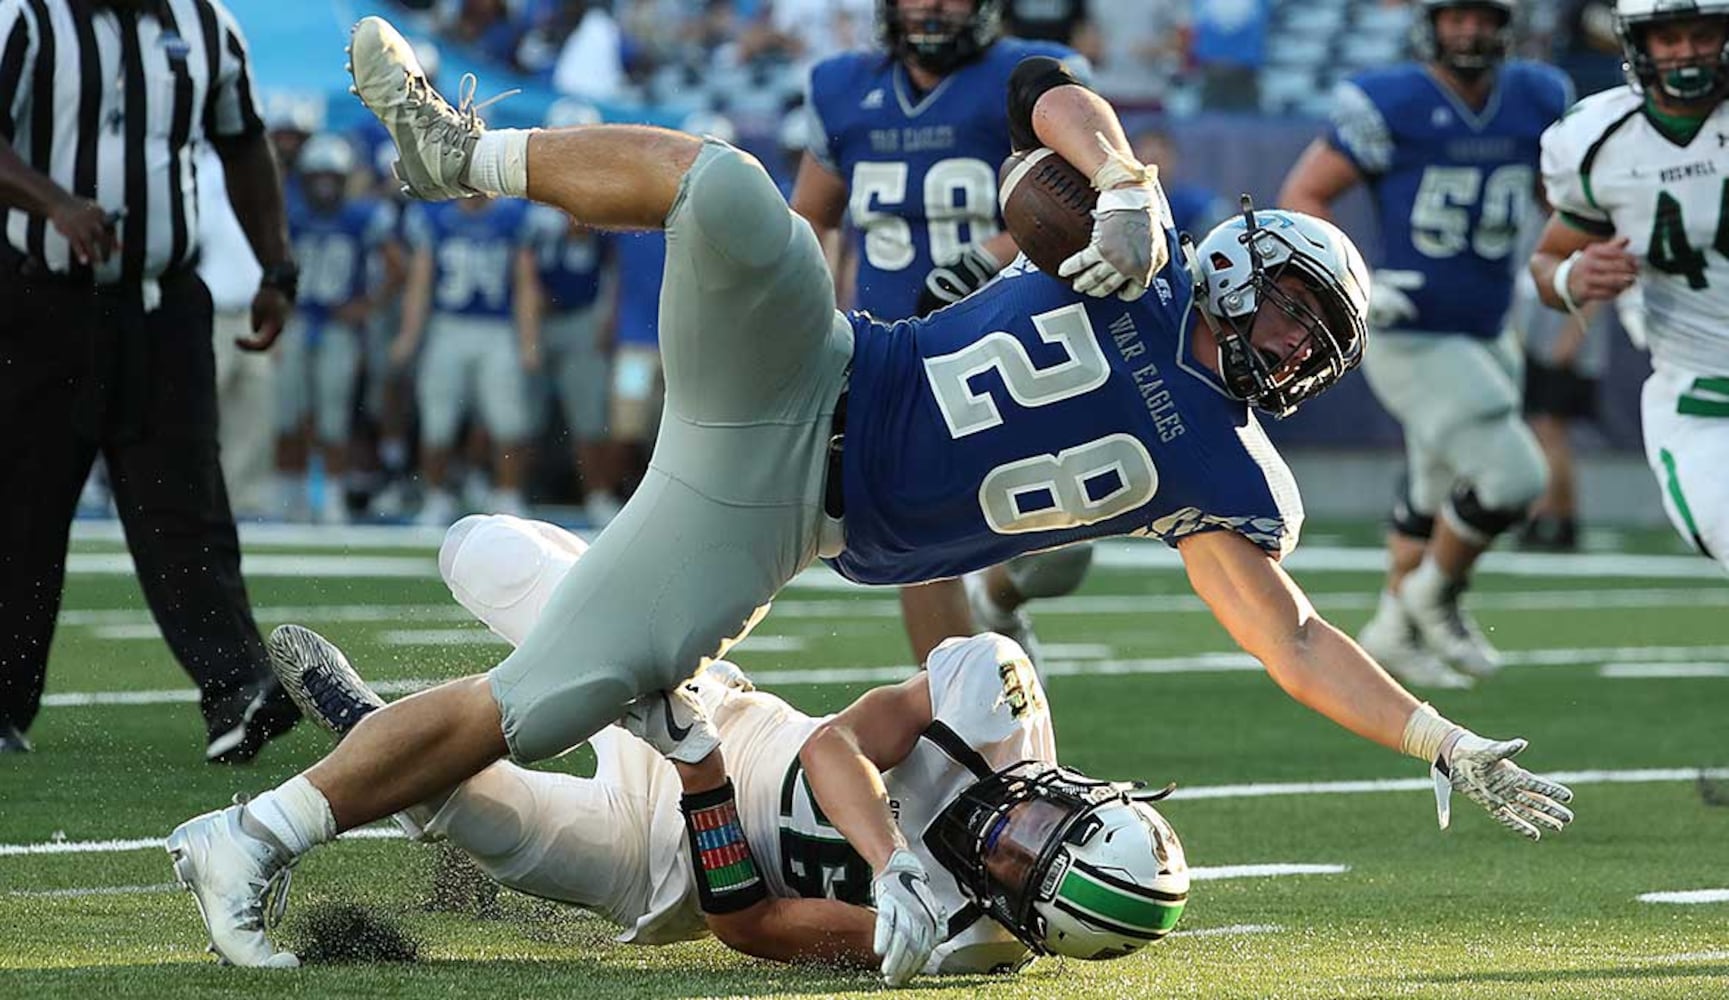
pixel 999 711
pixel 1610 171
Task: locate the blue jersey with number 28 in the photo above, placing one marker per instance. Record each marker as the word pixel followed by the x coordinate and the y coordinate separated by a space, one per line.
pixel 1450 183
pixel 920 169
pixel 1029 416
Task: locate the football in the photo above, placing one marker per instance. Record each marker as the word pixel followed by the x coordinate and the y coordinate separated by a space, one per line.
pixel 1047 205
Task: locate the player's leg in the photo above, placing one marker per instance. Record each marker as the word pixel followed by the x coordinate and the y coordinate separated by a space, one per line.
pixel 442 394
pixel 1686 429
pixel 336 377
pixel 292 406
pixel 503 394
pixel 1481 435
pixel 998 595
pixel 1390 635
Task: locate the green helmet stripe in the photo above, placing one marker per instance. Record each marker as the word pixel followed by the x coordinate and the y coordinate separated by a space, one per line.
pixel 1117 906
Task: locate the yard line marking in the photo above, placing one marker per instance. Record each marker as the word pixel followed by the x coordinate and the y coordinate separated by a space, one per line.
pixel 1663 671
pixel 1229 931
pixel 1637 776
pixel 1263 871
pixel 106 890
pixel 146 843
pixel 256 564
pixel 1687 897
pixel 868 607
pixel 297 536
pixel 764 643
pixel 1693 956
pixel 1200 663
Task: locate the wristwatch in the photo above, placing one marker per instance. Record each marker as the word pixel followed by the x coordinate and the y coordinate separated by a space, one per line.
pixel 284 277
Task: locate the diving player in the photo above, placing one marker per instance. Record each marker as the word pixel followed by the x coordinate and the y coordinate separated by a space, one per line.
pixel 1640 182
pixel 1448 148
pixel 906 141
pixel 1027 416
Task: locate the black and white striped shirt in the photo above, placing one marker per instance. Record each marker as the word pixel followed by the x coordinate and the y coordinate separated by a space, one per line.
pixel 112 105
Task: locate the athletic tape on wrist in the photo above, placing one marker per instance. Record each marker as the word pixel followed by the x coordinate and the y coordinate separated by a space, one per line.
pixel 1425 731
pixel 1563 271
pixel 727 879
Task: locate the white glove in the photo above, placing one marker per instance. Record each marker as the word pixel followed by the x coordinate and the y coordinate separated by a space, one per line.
pixel 1390 307
pixel 1483 772
pixel 729 675
pixel 909 918
pixel 1127 248
pixel 674 723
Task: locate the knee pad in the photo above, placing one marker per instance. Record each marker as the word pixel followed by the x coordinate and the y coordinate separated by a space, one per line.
pixel 1051 574
pixel 503 569
pixel 1477 522
pixel 1503 464
pixel 1406 519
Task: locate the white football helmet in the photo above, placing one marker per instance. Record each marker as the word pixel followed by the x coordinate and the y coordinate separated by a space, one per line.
pixel 1692 80
pixel 1478 58
pixel 326 153
pixel 1068 864
pixel 1237 270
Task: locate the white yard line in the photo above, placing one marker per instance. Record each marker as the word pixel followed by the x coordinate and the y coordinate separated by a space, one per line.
pixel 1661 671
pixel 1232 930
pixel 258 564
pixel 1688 897
pixel 1626 658
pixel 1263 871
pixel 103 890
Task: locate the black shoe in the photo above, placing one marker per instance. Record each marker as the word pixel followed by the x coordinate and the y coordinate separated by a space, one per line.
pixel 239 723
pixel 1550 534
pixel 12 740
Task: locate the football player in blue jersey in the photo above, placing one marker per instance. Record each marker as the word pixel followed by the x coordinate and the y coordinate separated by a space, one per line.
pixel 1029 415
pixel 1448 147
pixel 318 359
pixel 906 142
pixel 473 291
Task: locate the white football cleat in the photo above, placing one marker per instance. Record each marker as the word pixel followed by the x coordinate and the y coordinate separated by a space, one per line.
pixel 237 872
pixel 1396 645
pixel 1432 602
pixel 434 141
pixel 988 617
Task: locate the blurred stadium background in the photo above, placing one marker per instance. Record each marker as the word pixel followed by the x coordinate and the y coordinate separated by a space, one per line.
pixel 1239 87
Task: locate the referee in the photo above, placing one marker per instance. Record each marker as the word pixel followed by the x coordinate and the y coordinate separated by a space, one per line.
pixel 105 332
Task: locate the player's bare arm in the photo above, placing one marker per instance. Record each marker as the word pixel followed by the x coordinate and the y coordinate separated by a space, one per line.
pixel 1597 268
pixel 1269 616
pixel 780 929
pixel 1322 176
pixel 416 306
pixel 843 761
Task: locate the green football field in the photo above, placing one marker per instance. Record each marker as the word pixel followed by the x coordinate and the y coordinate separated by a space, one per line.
pixel 1320 870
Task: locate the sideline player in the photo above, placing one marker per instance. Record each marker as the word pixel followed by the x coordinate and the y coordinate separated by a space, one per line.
pixel 1448 147
pixel 957 747
pixel 933 475
pixel 1638 199
pixel 905 140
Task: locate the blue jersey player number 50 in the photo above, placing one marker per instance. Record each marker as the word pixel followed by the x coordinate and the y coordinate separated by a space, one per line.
pixel 958 192
pixel 1441 211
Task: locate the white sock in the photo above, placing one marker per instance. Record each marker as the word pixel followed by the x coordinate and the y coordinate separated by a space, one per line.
pixel 1390 608
pixel 297 813
pixel 499 165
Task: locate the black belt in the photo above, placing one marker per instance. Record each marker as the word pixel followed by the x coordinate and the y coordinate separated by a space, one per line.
pixel 834 484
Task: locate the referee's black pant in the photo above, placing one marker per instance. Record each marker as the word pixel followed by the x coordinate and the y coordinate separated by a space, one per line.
pixel 85 370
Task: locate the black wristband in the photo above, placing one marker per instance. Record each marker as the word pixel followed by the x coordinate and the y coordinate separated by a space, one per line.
pixel 727 879
pixel 284 277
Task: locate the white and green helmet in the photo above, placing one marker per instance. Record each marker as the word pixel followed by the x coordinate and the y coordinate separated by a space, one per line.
pixel 1690 80
pixel 1068 864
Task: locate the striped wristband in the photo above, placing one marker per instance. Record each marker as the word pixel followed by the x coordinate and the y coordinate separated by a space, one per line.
pixel 726 877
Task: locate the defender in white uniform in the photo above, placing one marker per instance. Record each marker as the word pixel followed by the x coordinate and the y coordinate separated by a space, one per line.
pixel 616 843
pixel 1639 177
